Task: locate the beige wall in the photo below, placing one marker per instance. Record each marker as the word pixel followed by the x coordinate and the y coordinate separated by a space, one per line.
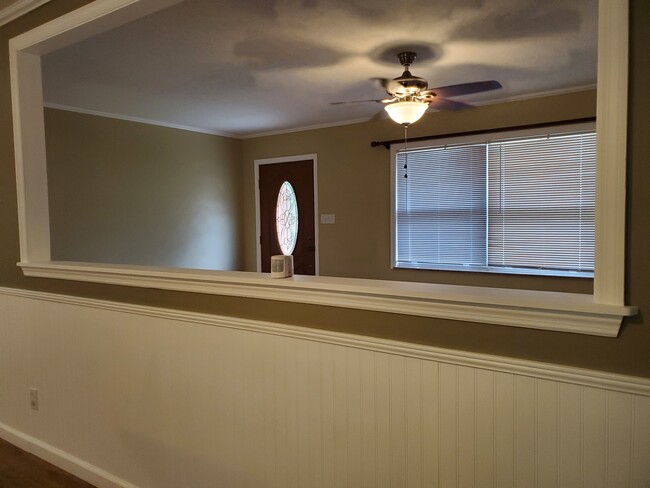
pixel 626 354
pixel 354 184
pixel 131 193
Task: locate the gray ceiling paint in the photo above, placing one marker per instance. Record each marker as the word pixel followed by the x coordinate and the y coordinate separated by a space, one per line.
pixel 258 66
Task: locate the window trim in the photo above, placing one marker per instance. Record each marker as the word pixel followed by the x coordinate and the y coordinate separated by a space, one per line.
pixel 600 314
pixel 496 135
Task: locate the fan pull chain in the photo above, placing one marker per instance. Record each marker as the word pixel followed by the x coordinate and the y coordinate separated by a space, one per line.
pixel 406 154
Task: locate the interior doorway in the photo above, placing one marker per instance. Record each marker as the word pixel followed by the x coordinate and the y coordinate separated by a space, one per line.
pixel 286 196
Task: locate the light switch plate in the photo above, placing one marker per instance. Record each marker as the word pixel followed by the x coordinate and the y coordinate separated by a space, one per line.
pixel 327 218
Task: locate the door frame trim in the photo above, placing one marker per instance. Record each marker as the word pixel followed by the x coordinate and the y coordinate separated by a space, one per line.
pixel 258 224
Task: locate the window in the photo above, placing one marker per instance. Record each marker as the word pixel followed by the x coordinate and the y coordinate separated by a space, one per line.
pixel 286 218
pixel 521 202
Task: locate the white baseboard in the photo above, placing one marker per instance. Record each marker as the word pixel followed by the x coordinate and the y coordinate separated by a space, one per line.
pixel 67 462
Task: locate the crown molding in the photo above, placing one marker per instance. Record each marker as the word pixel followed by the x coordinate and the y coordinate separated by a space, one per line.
pixel 139 120
pixel 255 135
pixel 18 8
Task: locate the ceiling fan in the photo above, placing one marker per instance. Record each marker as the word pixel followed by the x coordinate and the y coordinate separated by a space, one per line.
pixel 410 96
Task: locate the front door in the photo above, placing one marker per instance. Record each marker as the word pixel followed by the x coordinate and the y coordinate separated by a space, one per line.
pixel 287 189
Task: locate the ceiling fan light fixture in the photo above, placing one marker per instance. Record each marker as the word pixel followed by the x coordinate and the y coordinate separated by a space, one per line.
pixel 406 112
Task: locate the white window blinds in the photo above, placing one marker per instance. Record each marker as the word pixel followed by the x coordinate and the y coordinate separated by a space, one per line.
pixel 441 207
pixel 542 203
pixel 520 205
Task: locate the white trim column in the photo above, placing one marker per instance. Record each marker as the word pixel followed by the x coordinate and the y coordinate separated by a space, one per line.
pixel 611 152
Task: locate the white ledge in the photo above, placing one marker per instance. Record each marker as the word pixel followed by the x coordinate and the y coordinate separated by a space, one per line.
pixel 565 312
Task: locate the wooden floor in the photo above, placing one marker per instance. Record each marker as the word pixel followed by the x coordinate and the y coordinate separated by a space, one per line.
pixel 19 469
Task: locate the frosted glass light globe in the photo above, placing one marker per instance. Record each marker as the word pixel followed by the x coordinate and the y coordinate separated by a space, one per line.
pixel 406 112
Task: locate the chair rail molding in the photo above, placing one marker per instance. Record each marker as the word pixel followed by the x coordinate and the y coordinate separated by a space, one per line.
pixel 556 372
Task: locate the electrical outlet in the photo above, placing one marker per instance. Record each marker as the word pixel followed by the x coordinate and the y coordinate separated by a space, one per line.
pixel 33 398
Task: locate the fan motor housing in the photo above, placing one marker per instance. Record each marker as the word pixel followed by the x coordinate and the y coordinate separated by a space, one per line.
pixel 412 84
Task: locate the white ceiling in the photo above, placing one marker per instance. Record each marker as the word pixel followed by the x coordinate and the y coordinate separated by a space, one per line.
pixel 261 66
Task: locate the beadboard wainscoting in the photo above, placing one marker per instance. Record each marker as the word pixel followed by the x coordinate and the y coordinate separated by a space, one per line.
pixel 133 396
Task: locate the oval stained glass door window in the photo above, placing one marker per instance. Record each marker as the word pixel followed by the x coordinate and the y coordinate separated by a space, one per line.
pixel 286 218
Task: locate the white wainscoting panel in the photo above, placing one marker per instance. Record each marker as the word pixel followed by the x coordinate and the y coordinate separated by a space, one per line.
pixel 146 398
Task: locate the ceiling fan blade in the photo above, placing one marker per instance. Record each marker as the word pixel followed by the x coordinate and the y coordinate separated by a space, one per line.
pixel 382 81
pixel 462 89
pixel 358 101
pixel 444 104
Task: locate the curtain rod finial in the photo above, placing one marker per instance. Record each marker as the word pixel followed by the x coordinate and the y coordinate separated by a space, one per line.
pixel 386 144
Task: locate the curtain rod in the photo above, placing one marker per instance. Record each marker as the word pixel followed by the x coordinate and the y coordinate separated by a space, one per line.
pixel 387 144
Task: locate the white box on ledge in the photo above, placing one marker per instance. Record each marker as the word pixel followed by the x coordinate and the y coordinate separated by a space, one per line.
pixel 281 266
